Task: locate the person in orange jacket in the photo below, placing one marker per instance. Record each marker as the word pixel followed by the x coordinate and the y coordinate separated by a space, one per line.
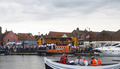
pixel 93 61
pixel 99 62
pixel 85 62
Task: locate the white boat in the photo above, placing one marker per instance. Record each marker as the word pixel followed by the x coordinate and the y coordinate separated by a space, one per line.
pixel 113 50
pixel 50 64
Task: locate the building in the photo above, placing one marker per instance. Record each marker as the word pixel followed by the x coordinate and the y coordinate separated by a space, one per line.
pixel 57 37
pixel 116 36
pixel 85 37
pixel 105 37
pixel 1 39
pixel 9 36
pixel 90 37
pixel 27 38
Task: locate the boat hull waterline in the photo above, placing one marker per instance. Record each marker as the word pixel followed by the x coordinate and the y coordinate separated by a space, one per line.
pixel 55 52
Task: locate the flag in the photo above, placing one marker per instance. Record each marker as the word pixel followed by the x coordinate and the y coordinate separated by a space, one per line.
pixel 87 36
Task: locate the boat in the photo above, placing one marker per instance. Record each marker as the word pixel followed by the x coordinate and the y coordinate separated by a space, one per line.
pixel 57 50
pixel 113 50
pixel 51 64
pixel 2 52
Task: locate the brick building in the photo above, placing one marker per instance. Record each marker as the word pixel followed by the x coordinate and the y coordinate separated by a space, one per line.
pixel 116 36
pixel 9 36
pixel 82 34
pixel 27 38
pixel 1 39
pixel 105 36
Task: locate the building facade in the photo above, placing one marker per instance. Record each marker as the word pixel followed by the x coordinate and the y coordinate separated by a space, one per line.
pixel 27 38
pixel 96 38
pixel 1 38
pixel 9 36
pixel 116 36
pixel 57 38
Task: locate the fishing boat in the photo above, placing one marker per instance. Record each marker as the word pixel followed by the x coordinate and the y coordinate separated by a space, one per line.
pixel 113 50
pixel 57 50
pixel 50 64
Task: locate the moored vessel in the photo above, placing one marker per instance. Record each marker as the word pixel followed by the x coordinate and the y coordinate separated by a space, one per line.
pixel 50 64
pixel 113 50
pixel 57 50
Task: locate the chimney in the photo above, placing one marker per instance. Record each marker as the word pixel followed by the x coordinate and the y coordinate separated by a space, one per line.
pixel 77 29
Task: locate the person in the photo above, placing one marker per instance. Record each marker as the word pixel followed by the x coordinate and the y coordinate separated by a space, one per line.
pixel 62 59
pixel 85 62
pixel 99 62
pixel 66 59
pixel 79 61
pixel 94 61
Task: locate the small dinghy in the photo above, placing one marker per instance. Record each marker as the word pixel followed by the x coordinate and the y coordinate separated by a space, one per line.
pixel 50 64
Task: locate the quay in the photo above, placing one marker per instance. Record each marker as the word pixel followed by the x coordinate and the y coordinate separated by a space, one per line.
pixel 35 53
pixel 21 53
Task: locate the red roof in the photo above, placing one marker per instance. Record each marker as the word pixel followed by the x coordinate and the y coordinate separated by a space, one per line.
pixel 25 36
pixel 59 34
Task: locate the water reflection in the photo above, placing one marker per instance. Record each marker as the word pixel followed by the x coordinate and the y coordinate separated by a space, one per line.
pixel 21 62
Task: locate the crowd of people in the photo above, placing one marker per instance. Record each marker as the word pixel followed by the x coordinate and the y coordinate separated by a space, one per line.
pixel 78 49
pixel 19 48
pixel 81 61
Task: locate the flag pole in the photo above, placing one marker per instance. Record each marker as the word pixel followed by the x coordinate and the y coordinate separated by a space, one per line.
pixel 89 35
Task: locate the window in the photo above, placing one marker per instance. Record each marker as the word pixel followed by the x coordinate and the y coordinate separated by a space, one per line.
pixel 63 39
pixel 70 38
pixel 11 35
pixel 103 34
pixel 23 34
pixel 53 38
pixel 37 42
pixel 118 46
pixel 82 37
pixel 8 40
pixel 14 40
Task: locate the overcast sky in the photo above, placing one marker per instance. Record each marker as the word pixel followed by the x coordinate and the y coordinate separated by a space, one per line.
pixel 33 16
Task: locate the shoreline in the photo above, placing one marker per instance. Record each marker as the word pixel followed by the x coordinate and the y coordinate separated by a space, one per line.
pixel 35 53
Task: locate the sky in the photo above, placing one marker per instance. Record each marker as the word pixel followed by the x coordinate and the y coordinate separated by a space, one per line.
pixel 33 16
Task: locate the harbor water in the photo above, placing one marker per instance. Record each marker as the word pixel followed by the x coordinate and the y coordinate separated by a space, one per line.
pixel 37 62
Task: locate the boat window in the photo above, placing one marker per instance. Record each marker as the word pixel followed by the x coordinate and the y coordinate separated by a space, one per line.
pixel 115 44
pixel 118 46
pixel 97 51
pixel 64 47
pixel 53 38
